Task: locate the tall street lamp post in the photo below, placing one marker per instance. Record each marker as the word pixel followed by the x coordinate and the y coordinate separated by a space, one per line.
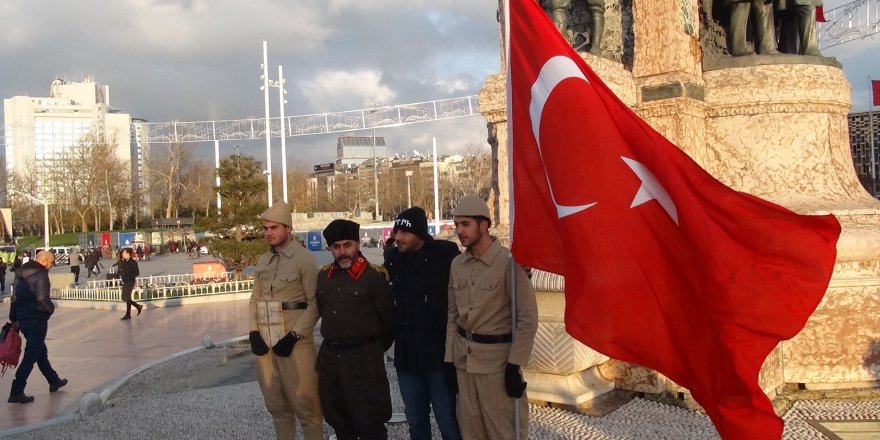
pixel 375 161
pixel 265 89
pixel 45 216
pixel 408 190
pixel 281 101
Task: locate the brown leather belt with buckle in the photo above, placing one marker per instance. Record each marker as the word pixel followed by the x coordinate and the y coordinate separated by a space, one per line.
pixel 294 305
pixel 484 339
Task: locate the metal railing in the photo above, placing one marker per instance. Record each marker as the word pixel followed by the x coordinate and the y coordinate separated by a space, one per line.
pixel 304 125
pixel 851 21
pixel 158 280
pixel 155 292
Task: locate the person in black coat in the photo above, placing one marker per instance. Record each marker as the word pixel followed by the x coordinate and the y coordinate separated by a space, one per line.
pixel 419 269
pixel 3 269
pixel 31 308
pixel 128 272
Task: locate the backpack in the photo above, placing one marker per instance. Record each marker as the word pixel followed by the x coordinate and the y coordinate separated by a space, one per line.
pixel 10 348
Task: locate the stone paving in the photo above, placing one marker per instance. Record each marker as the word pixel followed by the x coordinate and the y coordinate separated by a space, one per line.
pixel 185 397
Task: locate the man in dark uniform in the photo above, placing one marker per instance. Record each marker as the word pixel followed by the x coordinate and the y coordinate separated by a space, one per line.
pixel 419 269
pixel 355 305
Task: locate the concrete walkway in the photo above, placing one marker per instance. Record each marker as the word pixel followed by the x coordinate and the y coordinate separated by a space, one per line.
pixel 92 347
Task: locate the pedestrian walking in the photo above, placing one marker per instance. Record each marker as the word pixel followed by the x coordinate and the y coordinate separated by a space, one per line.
pixel 128 273
pixel 3 269
pixel 480 337
pixel 31 308
pixel 355 305
pixel 283 314
pixel 419 270
pixel 75 259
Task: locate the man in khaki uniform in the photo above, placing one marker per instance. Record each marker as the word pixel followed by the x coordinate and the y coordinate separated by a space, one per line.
pixel 487 356
pixel 283 314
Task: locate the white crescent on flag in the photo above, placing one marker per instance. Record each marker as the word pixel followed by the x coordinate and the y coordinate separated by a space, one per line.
pixel 552 73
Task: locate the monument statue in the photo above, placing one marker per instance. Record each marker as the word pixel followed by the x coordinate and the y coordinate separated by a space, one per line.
pixel 797 26
pixel 762 14
pixel 560 11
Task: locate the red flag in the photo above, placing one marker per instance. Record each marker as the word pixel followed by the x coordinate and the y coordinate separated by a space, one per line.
pixel 875 91
pixel 820 15
pixel 665 266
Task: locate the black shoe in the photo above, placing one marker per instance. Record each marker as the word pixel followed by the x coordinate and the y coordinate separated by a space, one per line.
pixel 139 307
pixel 125 317
pixel 57 385
pixel 20 398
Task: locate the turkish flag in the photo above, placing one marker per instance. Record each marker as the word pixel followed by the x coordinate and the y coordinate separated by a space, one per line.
pixel 875 91
pixel 820 15
pixel 664 265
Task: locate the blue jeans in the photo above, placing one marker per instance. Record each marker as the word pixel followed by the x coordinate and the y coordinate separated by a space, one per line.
pixel 35 352
pixel 420 392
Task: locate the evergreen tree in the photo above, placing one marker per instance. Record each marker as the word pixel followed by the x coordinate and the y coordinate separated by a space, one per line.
pixel 238 230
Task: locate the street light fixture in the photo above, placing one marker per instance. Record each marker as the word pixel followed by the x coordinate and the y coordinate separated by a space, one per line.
pixel 45 216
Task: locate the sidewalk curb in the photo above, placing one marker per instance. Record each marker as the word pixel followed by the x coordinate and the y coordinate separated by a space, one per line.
pixel 72 411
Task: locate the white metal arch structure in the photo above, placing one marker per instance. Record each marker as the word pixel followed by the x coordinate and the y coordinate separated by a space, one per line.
pixel 304 125
pixel 855 20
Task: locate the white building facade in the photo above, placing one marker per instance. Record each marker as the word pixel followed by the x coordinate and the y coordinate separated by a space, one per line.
pixel 39 130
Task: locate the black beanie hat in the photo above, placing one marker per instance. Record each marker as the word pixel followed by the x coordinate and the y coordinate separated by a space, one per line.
pixel 341 230
pixel 413 220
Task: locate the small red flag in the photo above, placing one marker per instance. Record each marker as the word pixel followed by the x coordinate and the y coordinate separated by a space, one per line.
pixel 664 265
pixel 875 91
pixel 820 15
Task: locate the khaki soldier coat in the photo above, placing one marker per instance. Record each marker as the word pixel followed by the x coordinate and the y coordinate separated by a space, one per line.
pixel 479 301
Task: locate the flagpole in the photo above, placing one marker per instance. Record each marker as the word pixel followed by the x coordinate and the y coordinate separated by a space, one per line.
pixel 510 204
pixel 871 135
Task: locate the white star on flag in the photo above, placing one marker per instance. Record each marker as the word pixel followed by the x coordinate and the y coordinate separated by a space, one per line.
pixel 651 189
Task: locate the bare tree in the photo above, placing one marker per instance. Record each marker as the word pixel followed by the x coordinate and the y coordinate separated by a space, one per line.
pixel 24 210
pixel 167 169
pixel 112 178
pixel 200 192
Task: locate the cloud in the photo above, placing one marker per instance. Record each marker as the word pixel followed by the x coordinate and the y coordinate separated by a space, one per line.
pixel 332 90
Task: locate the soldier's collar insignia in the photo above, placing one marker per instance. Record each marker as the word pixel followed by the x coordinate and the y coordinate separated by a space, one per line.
pixel 357 267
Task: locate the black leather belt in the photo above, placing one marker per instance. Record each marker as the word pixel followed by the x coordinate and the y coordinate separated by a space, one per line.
pixel 484 339
pixel 348 345
pixel 294 305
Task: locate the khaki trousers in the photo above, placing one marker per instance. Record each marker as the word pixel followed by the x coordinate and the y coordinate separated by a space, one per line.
pixel 485 411
pixel 290 389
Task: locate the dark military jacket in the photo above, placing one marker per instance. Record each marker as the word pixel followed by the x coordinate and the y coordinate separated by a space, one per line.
pixel 355 305
pixel 420 284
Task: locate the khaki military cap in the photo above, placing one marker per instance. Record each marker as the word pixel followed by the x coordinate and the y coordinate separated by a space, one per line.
pixel 472 206
pixel 278 213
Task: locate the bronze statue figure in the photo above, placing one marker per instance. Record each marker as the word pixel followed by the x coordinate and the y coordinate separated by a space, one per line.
pixel 560 10
pixel 797 26
pixel 762 14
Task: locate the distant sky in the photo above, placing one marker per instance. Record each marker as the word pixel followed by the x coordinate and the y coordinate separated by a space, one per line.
pixel 193 60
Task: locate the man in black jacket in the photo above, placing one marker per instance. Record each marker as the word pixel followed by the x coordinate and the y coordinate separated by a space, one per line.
pixel 419 269
pixel 31 308
pixel 128 272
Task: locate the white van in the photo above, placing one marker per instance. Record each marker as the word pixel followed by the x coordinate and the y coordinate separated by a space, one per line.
pixel 62 253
